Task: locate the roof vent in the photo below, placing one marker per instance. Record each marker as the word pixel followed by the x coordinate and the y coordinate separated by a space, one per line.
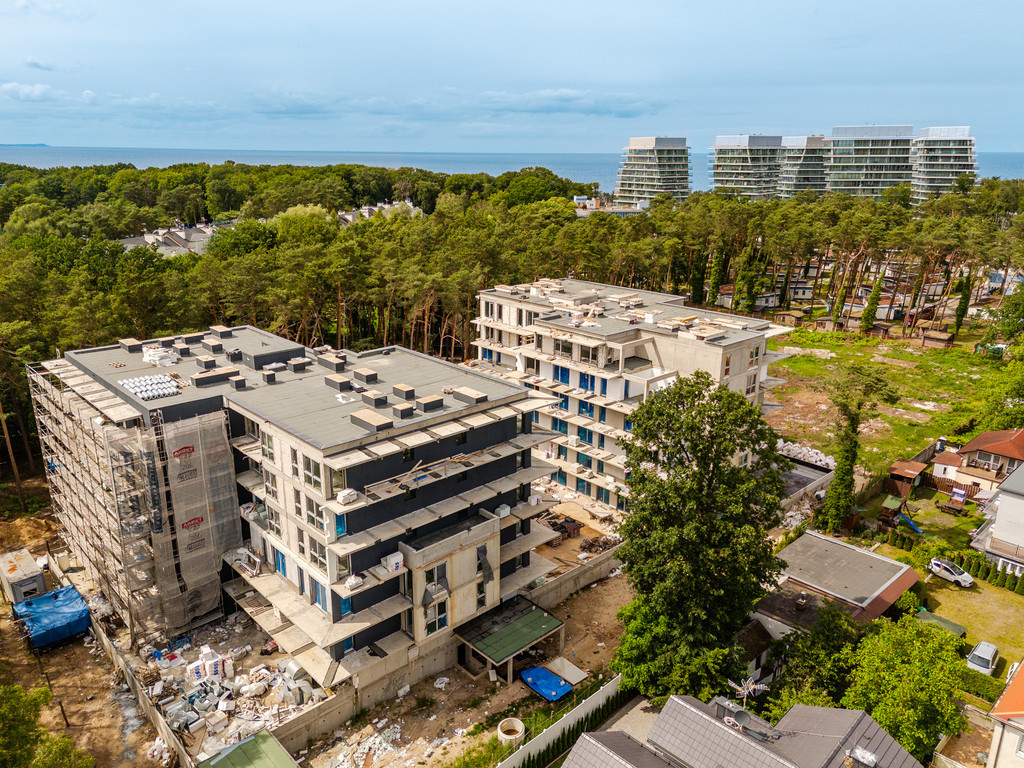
pixel 182 349
pixel 428 404
pixel 338 382
pixel 403 410
pixel 404 391
pixel 234 355
pixel 333 362
pixel 298 364
pixel 221 331
pixel 193 338
pixel 269 377
pixel 130 345
pixel 371 421
pixel 375 398
pixel 212 345
pixel 469 396
pixel 206 362
pixel 365 375
pixel 237 382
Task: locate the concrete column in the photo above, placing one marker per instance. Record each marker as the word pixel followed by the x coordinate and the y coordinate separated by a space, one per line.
pixel 561 638
pixel 508 676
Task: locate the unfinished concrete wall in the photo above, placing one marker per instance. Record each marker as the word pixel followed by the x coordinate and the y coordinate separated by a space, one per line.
pixel 313 722
pixel 553 592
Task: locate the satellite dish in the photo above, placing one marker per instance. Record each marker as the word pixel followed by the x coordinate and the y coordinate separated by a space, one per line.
pixel 742 717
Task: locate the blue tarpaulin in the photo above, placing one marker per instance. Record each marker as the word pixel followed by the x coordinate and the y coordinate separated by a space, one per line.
pixel 547 684
pixel 53 617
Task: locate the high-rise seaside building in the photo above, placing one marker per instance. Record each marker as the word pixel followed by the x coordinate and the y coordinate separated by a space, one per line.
pixel 867 160
pixel 939 156
pixel 747 166
pixel 652 166
pixel 802 166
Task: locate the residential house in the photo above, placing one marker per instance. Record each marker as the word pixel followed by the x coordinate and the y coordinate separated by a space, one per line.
pixel 818 569
pixel 946 464
pixel 721 734
pixel 1007 748
pixel 1001 538
pixel 990 457
pixel 937 339
pixel 765 300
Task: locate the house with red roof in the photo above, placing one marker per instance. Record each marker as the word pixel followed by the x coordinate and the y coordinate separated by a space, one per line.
pixel 990 457
pixel 1007 749
pixel 946 464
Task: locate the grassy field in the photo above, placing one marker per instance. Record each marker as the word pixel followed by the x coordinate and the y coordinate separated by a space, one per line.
pixel 940 390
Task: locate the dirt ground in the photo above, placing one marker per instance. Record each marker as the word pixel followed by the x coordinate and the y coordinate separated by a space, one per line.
pixel 434 722
pixel 102 721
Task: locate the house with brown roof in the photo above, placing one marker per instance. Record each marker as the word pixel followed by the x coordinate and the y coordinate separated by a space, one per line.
pixel 946 464
pixel 990 457
pixel 1007 749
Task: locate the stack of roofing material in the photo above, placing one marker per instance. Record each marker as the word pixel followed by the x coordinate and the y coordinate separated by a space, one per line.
pixel 54 616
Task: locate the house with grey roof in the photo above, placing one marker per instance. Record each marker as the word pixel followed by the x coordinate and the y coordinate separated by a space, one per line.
pixel 721 734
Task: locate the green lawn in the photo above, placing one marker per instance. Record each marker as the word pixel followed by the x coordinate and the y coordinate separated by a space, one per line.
pixel 940 390
pixel 989 612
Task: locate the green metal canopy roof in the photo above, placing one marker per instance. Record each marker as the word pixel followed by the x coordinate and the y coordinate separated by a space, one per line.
pixel 892 502
pixel 946 624
pixel 261 750
pixel 512 627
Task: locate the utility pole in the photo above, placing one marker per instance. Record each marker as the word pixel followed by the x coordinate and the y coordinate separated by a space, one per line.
pixel 14 463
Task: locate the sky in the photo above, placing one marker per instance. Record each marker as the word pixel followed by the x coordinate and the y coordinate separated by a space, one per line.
pixel 525 76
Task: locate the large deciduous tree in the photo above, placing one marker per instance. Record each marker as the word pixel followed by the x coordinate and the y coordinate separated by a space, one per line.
pixel 906 676
pixel 705 487
pixel 24 743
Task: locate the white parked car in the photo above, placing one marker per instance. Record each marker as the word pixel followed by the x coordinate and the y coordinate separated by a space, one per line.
pixel 983 658
pixel 950 571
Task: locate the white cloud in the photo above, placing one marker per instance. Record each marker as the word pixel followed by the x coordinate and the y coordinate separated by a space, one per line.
pixel 25 92
pixel 36 64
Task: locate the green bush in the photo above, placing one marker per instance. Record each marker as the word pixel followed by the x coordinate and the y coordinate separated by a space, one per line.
pixel 1019 589
pixel 982 686
pixel 983 572
pixel 1011 582
pixel 973 567
pixel 1000 580
pixel 907 602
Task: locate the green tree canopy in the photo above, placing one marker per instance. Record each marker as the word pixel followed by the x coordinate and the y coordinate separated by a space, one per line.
pixel 705 487
pixel 906 675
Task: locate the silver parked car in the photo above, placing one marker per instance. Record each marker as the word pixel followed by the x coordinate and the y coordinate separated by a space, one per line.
pixel 983 658
pixel 950 571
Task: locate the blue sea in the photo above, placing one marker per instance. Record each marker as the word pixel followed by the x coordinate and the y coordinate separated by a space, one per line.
pixel 581 167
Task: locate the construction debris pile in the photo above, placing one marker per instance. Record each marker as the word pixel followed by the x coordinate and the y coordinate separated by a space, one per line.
pixel 805 454
pixel 210 699
pixel 599 544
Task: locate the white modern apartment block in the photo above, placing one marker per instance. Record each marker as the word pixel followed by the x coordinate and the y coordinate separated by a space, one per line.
pixel 802 165
pixel 601 350
pixel 371 511
pixel 866 160
pixel 652 166
pixel 747 166
pixel 940 156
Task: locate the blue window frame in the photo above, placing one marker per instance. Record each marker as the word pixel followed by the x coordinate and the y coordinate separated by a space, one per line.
pixel 628 426
pixel 559 476
pixel 604 495
pixel 586 409
pixel 558 425
pixel 604 386
pixel 586 461
pixel 302 582
pixel 582 486
pixel 347 644
pixel 279 561
pixel 346 605
pixel 625 389
pixel 340 525
pixel 536 417
pixel 600 440
pixel 586 435
pixel 588 381
pixel 602 414
pixel 564 400
pixel 561 374
pixel 600 466
pixel 486 354
pixel 563 453
pixel 497 357
pixel 622 504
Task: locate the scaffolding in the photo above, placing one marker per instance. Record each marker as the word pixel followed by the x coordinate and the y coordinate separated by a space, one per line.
pixel 148 512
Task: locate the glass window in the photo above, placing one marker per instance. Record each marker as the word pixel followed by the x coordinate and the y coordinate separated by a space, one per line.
pixel 751 384
pixel 344 565
pixel 561 374
pixel 604 386
pixel 252 428
pixel 586 435
pixel 628 425
pixel 314 514
pixel 346 606
pixel 602 414
pixel 460 439
pixel 270 484
pixel 319 593
pixel 273 521
pixel 300 538
pixel 339 481
pixel 318 554
pixel 563 348
pixel 563 453
pixel 558 425
pixel 297 503
pixel 564 402
pixel 340 525
pixel 481 595
pixel 584 460
pixel 727 366
pixel 755 355
pixel 437 617
pixel 435 575
pixel 295 463
pixel 267 446
pixel 408 454
pixel 311 473
pixel 586 409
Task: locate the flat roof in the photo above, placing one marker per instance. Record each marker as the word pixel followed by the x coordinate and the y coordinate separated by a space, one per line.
pixel 625 309
pixel 848 573
pixel 300 402
pixel 509 628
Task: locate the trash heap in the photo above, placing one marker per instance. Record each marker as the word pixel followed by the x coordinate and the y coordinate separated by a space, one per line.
pixel 205 699
pixel 599 544
pixel 805 454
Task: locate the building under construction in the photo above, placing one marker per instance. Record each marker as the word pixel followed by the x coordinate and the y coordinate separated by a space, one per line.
pixel 371 511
